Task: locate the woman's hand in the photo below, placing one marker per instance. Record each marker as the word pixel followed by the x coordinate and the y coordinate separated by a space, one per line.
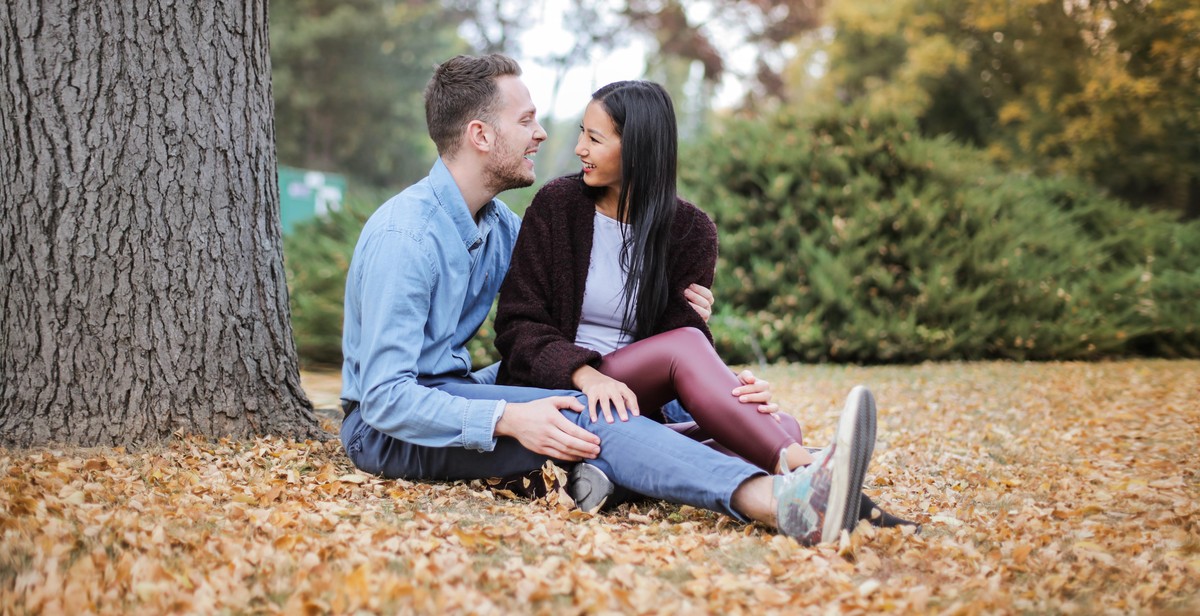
pixel 606 393
pixel 701 300
pixel 755 390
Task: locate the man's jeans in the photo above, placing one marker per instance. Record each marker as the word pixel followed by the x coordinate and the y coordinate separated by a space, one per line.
pixel 640 454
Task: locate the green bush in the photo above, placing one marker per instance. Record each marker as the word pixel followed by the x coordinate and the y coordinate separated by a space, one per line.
pixel 852 238
pixel 316 257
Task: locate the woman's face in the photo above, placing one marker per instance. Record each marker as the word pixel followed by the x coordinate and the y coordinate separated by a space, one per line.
pixel 599 148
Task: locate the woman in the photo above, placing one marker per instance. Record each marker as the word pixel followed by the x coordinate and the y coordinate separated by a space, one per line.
pixel 594 299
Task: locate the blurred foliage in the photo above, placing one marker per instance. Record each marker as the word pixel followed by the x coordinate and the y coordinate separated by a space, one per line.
pixel 685 48
pixel 847 236
pixel 348 80
pixel 1108 90
pixel 850 235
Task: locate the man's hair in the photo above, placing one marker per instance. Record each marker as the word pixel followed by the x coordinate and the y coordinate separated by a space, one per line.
pixel 463 89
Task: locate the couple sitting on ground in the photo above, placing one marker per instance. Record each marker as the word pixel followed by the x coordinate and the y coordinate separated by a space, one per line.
pixel 605 303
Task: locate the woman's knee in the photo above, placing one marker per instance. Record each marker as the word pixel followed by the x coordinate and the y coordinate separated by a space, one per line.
pixel 688 337
pixel 792 427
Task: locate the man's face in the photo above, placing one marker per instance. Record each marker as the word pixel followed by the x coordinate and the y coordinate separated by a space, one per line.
pixel 518 136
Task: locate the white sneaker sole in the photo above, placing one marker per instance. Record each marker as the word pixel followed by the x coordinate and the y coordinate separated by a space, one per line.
pixel 855 443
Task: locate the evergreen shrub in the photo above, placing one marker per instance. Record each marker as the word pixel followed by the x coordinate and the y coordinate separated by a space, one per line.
pixel 848 237
pixel 316 257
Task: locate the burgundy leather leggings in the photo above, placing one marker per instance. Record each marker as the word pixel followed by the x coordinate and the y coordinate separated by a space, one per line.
pixel 682 364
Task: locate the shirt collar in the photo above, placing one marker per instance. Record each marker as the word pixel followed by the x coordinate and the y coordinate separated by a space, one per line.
pixel 450 198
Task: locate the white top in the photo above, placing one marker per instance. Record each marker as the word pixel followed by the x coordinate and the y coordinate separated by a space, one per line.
pixel 603 300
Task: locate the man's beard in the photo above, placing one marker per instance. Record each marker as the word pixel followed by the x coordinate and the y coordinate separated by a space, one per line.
pixel 506 170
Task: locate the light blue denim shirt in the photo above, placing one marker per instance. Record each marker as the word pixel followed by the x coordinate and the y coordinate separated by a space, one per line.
pixel 422 279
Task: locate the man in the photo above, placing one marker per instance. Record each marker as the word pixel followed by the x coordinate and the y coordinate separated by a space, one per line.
pixel 423 277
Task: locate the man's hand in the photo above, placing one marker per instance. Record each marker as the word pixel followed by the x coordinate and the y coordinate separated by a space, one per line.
pixel 701 299
pixel 541 428
pixel 755 390
pixel 606 393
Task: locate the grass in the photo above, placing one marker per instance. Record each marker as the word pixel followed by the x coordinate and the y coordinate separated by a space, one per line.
pixel 1067 488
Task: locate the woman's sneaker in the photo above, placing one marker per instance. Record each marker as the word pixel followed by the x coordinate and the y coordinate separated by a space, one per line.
pixel 814 504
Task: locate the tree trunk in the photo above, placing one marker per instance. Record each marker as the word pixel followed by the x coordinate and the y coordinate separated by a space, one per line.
pixel 141 263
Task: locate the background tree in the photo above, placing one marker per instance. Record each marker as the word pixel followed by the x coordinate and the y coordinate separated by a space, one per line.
pixel 1107 90
pixel 705 33
pixel 349 78
pixel 140 257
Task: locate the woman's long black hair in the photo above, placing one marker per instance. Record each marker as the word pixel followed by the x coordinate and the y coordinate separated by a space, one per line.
pixel 644 118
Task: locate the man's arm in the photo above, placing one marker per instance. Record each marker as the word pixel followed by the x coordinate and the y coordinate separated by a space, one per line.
pixel 541 428
pixel 393 311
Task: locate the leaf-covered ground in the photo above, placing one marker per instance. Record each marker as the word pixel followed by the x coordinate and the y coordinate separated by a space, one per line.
pixel 1041 487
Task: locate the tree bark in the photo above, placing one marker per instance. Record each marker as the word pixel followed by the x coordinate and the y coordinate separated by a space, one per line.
pixel 141 263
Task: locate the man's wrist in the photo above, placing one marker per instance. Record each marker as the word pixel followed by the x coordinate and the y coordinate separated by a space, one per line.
pixel 497 414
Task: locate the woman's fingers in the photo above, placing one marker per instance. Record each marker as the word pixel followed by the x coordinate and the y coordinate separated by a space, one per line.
pixel 606 406
pixel 609 397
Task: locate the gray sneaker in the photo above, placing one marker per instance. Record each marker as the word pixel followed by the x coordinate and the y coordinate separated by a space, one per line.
pixel 815 503
pixel 589 487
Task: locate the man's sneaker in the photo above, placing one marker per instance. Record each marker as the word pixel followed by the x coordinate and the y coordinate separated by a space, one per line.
pixel 589 487
pixel 815 503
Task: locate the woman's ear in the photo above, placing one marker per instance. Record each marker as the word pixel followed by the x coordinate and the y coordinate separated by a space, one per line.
pixel 480 136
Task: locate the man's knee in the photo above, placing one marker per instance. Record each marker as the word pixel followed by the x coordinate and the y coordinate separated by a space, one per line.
pixel 600 427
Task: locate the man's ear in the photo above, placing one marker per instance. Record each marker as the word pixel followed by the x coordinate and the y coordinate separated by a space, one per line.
pixel 480 136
